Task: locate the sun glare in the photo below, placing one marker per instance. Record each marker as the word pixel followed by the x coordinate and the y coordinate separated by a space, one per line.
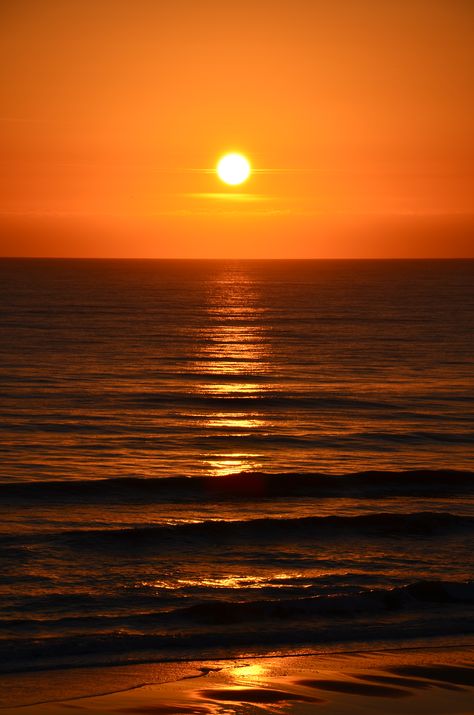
pixel 233 169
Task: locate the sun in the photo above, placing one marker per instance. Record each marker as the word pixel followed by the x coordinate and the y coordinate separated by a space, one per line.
pixel 233 169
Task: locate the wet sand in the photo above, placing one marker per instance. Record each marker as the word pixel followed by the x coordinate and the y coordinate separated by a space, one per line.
pixel 437 681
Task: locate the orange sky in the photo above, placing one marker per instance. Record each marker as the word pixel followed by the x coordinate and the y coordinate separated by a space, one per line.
pixel 356 114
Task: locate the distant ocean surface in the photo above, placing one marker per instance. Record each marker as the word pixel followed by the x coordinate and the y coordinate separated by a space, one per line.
pixel 205 458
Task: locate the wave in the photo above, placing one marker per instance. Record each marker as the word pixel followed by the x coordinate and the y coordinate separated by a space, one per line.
pixel 422 608
pixel 414 595
pixel 262 531
pixel 271 399
pixel 421 437
pixel 247 485
pixel 286 529
pixel 276 399
pixel 216 611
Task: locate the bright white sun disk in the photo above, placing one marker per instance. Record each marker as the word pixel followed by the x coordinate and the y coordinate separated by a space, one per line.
pixel 233 169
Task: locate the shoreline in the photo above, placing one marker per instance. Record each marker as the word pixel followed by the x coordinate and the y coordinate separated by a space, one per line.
pixel 202 685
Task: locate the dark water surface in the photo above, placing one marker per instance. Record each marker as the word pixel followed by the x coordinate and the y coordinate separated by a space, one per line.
pixel 134 394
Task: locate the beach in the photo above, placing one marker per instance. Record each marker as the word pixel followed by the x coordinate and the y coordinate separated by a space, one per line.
pixel 438 680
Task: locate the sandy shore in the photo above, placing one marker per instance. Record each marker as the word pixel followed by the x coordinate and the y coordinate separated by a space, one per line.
pixel 413 681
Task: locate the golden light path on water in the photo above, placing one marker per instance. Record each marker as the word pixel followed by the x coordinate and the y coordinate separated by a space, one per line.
pixel 235 348
pixel 236 420
pixel 232 581
pixel 233 464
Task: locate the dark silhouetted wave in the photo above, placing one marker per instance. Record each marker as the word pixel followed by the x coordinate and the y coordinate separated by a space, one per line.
pixel 254 531
pixel 289 529
pixel 274 400
pixel 413 596
pixel 248 485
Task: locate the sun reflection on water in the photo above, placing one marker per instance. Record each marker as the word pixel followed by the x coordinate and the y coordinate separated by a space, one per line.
pixel 233 463
pixel 229 581
pixel 233 359
pixel 233 350
pixel 242 388
pixel 236 420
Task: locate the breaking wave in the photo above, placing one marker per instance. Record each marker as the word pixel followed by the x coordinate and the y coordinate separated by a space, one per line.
pixel 232 627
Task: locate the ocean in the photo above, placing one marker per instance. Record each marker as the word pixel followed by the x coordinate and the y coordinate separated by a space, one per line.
pixel 226 458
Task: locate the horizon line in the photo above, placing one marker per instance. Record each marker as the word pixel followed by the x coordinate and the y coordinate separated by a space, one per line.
pixel 235 258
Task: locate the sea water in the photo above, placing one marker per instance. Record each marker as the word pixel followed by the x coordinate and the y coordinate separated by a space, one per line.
pixel 231 457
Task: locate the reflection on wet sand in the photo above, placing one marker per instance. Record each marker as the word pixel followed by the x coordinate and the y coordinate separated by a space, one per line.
pixel 337 684
pixel 249 670
pixel 241 694
pixel 353 688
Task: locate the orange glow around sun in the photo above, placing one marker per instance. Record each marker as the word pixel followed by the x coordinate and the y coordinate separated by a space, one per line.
pixel 357 118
